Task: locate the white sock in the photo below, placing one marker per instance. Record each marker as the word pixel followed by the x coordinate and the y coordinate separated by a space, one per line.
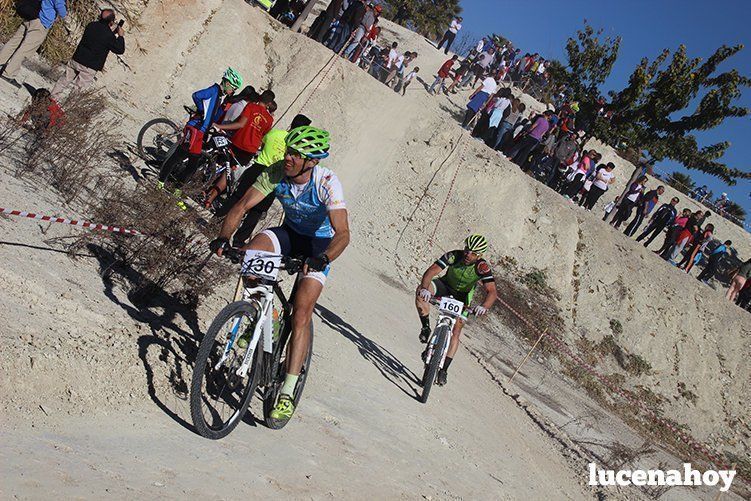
pixel 290 381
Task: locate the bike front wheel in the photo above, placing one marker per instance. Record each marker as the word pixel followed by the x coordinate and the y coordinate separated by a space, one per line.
pixel 272 392
pixel 220 393
pixel 431 365
pixel 157 138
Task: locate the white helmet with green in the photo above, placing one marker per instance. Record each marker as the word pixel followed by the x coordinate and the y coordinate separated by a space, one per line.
pixel 476 243
pixel 233 77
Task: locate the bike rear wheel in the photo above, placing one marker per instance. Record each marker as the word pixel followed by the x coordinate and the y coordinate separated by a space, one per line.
pixel 272 392
pixel 157 139
pixel 431 367
pixel 216 387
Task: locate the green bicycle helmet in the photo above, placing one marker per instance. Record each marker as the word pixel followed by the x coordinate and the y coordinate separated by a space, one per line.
pixel 233 77
pixel 310 142
pixel 476 243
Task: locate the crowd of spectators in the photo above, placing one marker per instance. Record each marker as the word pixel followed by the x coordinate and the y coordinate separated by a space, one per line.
pixel 550 146
pixel 350 28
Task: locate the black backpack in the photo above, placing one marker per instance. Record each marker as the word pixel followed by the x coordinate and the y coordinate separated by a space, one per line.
pixel 28 9
pixel 566 149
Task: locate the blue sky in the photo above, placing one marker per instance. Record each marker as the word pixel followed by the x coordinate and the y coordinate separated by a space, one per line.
pixel 646 27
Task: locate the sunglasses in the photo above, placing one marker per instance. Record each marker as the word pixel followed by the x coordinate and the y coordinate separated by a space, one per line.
pixel 294 153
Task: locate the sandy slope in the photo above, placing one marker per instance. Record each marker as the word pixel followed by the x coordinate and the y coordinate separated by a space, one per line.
pixel 359 429
pixel 110 377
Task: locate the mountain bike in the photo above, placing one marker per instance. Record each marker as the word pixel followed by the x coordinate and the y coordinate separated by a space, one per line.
pixel 216 159
pixel 435 352
pixel 159 137
pixel 245 348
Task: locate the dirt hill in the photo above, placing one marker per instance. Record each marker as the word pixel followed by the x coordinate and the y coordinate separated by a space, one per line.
pixel 83 369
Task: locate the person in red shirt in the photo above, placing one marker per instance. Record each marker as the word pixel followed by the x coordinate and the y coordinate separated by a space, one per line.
pixel 250 128
pixel 43 112
pixel 443 74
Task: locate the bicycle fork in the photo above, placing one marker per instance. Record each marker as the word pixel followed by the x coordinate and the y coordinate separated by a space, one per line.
pixel 263 328
pixel 443 349
pixel 448 322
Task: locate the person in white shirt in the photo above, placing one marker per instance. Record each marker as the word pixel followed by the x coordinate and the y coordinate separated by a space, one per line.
pixel 480 46
pixel 395 67
pixel 450 35
pixel 407 79
pixel 604 177
pixel 478 99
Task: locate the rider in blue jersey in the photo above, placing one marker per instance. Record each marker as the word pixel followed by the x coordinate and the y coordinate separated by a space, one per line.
pixel 315 227
pixel 209 110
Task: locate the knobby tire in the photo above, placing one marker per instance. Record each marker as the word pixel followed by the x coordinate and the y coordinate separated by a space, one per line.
pixel 204 352
pixel 139 141
pixel 431 367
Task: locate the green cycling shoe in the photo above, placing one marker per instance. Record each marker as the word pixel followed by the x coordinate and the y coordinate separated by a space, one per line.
pixel 284 408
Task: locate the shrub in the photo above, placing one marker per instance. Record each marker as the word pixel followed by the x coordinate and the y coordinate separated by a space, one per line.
pixel 171 257
pixel 69 154
pixel 616 327
pixel 535 279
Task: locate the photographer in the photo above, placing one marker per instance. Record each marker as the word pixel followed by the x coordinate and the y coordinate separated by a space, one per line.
pixel 99 39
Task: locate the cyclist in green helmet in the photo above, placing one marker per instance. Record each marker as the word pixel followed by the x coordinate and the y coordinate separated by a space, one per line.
pixel 208 103
pixel 464 270
pixel 315 227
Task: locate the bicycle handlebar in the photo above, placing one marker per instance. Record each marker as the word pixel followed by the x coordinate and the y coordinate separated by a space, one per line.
pixel 436 300
pixel 289 264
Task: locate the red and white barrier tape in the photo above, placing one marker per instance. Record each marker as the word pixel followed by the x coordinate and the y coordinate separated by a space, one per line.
pixel 72 222
pixel 628 396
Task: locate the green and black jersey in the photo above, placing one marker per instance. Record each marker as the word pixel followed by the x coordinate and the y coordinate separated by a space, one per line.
pixel 462 277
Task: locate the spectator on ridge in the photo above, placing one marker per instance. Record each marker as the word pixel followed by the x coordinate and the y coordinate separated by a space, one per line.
pixel 478 98
pixel 603 179
pixel 450 35
pixel 698 246
pixel 629 201
pixel 673 231
pixel 646 204
pixel 713 261
pixel 738 279
pixel 663 217
pixel 99 39
pixel 30 34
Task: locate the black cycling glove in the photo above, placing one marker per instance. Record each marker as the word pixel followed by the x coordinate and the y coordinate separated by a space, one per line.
pixel 318 263
pixel 218 243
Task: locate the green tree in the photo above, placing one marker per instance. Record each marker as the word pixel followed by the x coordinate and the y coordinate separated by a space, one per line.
pixel 429 17
pixel 664 104
pixel 590 61
pixel 735 211
pixel 681 182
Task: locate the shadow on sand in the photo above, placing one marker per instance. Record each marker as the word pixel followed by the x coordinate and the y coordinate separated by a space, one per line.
pixel 387 364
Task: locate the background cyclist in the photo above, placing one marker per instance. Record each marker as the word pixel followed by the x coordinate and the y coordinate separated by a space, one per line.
pixel 209 108
pixel 464 270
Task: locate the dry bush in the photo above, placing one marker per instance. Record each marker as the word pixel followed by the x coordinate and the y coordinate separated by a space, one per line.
pixel 68 155
pixel 172 256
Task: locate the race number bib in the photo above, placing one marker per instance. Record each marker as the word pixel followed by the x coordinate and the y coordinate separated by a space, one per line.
pixel 451 306
pixel 220 141
pixel 261 264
